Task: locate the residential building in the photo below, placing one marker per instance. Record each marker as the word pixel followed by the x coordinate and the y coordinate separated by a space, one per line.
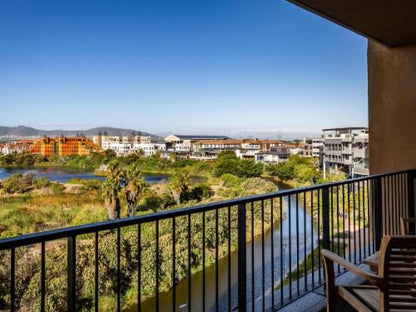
pixel 126 144
pixel 63 146
pixel 148 149
pixel 346 149
pixel 314 147
pixel 20 146
pixel 277 156
pixel 184 143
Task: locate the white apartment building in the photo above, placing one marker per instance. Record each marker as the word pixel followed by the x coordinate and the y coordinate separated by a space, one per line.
pixel 346 149
pixel 149 149
pixel 185 143
pixel 317 147
pixel 277 156
pixel 127 144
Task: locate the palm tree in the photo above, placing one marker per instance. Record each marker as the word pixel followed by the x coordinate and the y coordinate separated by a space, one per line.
pixel 135 185
pixel 111 190
pixel 179 184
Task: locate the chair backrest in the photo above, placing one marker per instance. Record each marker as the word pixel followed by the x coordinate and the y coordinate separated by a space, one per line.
pixel 407 226
pixel 398 270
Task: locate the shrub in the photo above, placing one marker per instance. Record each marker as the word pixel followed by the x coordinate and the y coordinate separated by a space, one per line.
pixel 41 183
pixel 231 180
pixel 257 186
pixel 200 192
pixel 57 188
pixel 17 183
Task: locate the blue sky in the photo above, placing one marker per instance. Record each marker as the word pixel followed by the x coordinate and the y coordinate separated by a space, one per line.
pixel 181 66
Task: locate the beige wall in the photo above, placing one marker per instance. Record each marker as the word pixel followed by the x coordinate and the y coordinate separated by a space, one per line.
pixel 392 107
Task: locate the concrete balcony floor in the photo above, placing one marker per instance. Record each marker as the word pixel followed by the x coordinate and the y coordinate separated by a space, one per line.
pixel 316 301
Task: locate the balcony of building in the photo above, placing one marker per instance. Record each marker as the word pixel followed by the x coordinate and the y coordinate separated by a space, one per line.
pixel 260 253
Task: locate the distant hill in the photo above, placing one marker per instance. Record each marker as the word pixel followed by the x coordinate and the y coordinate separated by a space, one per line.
pixel 23 131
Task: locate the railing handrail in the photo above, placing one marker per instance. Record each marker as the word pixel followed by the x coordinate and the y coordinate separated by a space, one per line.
pixel 72 231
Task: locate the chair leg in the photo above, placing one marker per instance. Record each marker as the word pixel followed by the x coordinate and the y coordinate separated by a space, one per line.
pixel 331 292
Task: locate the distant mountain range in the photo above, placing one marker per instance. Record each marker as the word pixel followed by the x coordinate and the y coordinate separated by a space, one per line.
pixel 23 131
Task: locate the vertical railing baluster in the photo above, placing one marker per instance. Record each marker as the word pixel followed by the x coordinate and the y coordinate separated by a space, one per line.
pixel 319 236
pixel 42 278
pixel 388 206
pixel 369 221
pixel 189 264
pixel 242 260
pixel 349 220
pixel 338 238
pixel 12 278
pixel 312 243
pixel 354 222
pixel 378 212
pixel 263 276
pixel 253 273
pixel 216 262
pixel 359 222
pixel 304 243
pixel 400 195
pixel 343 219
pixel 297 243
pixel 325 218
pixel 331 214
pixel 118 269
pixel 203 261
pixel 139 267
pixel 229 259
pixel 173 264
pixel 71 273
pixel 96 272
pixel 157 258
pixel 396 218
pixel 272 249
pixel 411 199
pixel 289 208
pixel 364 219
pixel 281 249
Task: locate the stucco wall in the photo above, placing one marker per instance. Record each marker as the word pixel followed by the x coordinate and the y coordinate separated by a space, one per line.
pixel 392 107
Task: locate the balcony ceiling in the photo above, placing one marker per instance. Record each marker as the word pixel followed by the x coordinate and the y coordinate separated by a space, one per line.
pixel 391 22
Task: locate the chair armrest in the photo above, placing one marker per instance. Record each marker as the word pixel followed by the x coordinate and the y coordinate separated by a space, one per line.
pixel 332 257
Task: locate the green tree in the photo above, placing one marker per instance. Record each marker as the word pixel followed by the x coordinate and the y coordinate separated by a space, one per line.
pixel 305 173
pixel 135 186
pixel 179 183
pixel 227 162
pixel 249 169
pixel 111 189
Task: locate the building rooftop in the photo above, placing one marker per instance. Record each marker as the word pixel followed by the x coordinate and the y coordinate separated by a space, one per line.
pixel 201 137
pixel 345 129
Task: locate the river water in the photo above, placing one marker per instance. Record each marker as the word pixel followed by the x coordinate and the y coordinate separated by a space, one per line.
pixel 165 299
pixel 64 174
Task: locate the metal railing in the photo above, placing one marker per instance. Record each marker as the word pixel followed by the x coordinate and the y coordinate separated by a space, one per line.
pixel 249 254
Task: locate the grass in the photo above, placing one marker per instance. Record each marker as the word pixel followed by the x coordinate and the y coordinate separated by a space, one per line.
pixel 30 213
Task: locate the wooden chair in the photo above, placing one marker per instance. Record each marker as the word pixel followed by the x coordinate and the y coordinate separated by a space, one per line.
pixel 393 289
pixel 405 224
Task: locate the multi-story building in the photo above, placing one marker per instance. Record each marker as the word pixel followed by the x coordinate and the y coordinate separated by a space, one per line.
pixel 185 143
pixel 20 146
pixel 314 147
pixel 126 144
pixel 148 149
pixel 63 146
pixel 276 156
pixel 346 149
